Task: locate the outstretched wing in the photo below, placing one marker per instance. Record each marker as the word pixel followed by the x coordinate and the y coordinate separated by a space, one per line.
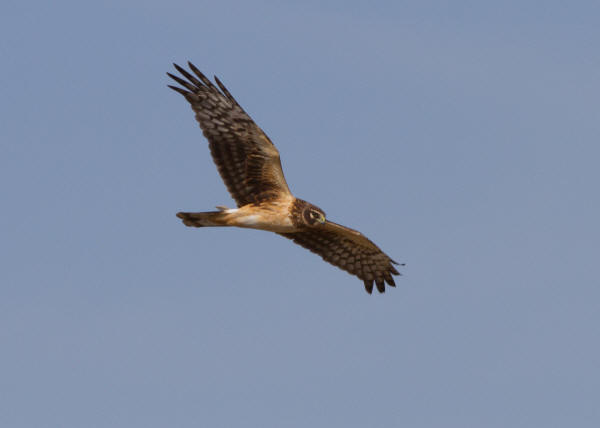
pixel 247 160
pixel 349 250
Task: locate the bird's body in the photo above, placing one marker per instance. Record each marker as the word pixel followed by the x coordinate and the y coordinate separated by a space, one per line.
pixel 251 169
pixel 263 216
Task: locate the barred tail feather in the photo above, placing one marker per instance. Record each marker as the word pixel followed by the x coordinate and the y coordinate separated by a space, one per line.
pixel 205 219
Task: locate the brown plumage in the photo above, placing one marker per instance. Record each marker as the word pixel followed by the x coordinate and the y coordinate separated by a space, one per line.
pixel 249 165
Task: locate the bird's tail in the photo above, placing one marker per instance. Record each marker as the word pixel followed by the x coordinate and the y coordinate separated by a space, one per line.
pixel 211 218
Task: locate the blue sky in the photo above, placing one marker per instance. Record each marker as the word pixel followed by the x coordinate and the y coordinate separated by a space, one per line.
pixel 462 137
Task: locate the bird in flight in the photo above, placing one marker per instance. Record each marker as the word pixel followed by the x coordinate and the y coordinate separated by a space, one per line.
pixel 249 165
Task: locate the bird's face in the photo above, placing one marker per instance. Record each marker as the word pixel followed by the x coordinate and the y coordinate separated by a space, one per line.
pixel 313 215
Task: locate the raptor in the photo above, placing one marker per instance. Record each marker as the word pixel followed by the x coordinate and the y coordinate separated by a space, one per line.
pixel 249 164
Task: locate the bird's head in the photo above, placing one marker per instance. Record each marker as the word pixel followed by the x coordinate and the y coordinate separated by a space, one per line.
pixel 313 215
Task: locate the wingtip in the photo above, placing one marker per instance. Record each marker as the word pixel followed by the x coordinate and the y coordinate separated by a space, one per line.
pixel 195 69
pixel 178 68
pixel 178 89
pixel 390 280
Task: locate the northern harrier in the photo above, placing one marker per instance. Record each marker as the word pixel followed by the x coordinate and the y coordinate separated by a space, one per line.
pixel 250 167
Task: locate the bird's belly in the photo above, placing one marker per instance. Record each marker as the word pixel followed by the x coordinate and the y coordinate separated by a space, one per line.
pixel 262 221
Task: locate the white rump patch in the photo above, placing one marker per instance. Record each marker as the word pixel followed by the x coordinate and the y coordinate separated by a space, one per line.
pixel 250 220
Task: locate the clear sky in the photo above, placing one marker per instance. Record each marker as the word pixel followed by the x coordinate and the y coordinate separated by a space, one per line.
pixel 463 137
